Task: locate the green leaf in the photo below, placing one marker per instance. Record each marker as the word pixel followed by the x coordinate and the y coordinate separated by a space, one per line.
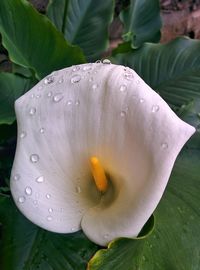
pixel 142 22
pixel 84 23
pixel 25 246
pixel 171 69
pixel 32 41
pixel 174 244
pixel 11 87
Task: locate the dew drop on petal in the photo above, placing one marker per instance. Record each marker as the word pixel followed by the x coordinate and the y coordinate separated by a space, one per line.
pixel 94 86
pixel 123 88
pixel 155 108
pixel 28 191
pixel 38 96
pixel 32 111
pixel 72 229
pixel 60 80
pixel 106 61
pixel 57 98
pixel 35 202
pixel 91 79
pixel 69 102
pixel 21 199
pixel 34 158
pixel 77 102
pixel 75 79
pixel 48 196
pixel 40 179
pixel 50 210
pixel 49 218
pixel 87 68
pixel 49 80
pixel 122 114
pixel 138 82
pixel 164 145
pixel 41 130
pixel 141 100
pixel 23 134
pixel 16 177
pixel 75 68
pixel 128 76
pixel 32 96
pixel 49 94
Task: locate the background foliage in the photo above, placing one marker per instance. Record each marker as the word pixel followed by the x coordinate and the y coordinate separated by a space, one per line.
pixel 72 32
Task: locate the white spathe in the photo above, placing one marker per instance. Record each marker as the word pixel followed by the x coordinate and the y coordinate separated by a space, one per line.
pixel 101 110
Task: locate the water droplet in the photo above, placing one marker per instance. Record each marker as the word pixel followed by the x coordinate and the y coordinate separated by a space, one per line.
pixel 106 236
pixel 40 179
pixel 91 79
pixel 21 199
pixel 77 102
pixel 32 111
pixel 48 196
pixel 38 96
pixel 50 210
pixel 141 100
pixel 35 202
pixel 41 130
pixel 49 80
pixel 106 61
pixel 49 94
pixel 128 76
pixel 16 177
pixel 123 88
pixel 57 97
pixel 155 108
pixel 34 158
pixel 94 86
pixel 72 229
pixel 60 80
pixel 87 68
pixel 164 145
pixel 28 191
pixel 98 62
pixel 49 218
pixel 75 79
pixel 32 96
pixel 23 134
pixel 122 113
pixel 69 102
pixel 138 82
pixel 78 189
pixel 75 68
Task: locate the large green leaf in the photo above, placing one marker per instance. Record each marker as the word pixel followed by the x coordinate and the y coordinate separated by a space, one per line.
pixel 174 244
pixel 84 23
pixel 171 69
pixel 25 246
pixel 32 41
pixel 11 87
pixel 142 22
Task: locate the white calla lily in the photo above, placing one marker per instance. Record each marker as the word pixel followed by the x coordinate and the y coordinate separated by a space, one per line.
pixel 96 146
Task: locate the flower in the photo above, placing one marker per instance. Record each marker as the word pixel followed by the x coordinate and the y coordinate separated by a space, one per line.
pixel 95 149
